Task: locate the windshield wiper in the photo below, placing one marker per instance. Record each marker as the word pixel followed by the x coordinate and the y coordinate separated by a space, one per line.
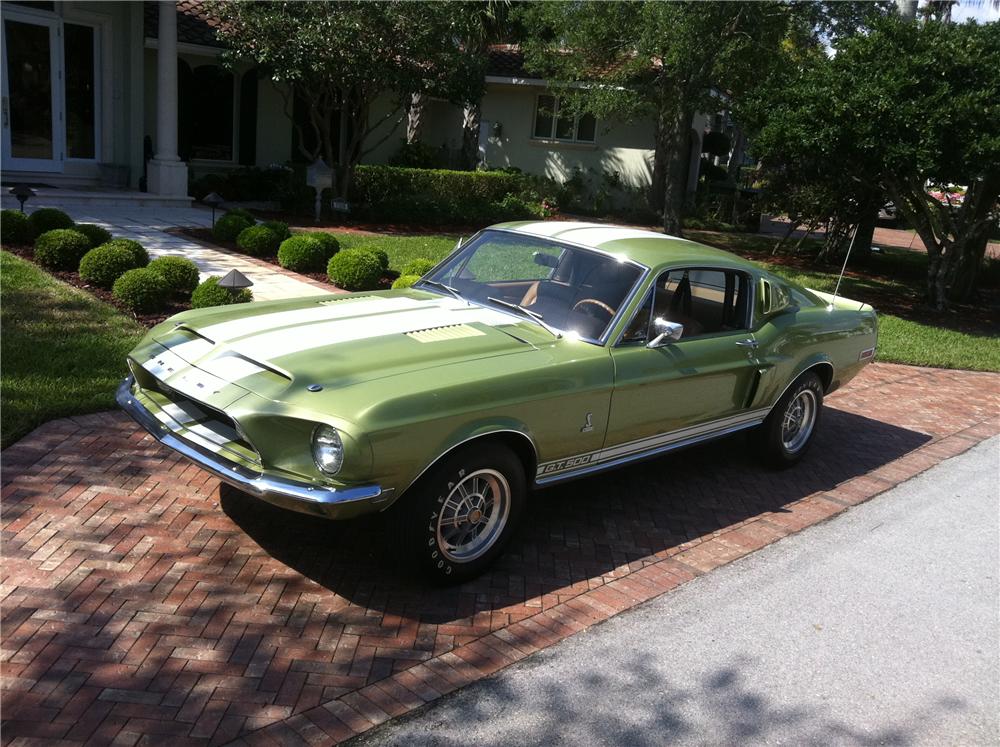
pixel 446 288
pixel 533 315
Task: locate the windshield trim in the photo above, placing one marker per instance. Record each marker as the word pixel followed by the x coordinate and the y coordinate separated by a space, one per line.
pixel 612 324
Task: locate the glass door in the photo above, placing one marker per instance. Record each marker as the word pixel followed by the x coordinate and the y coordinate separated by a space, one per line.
pixel 32 116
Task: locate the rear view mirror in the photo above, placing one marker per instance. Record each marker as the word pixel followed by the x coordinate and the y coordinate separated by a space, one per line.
pixel 546 260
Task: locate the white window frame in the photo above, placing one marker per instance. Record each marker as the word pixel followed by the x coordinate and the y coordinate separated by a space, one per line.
pixel 555 119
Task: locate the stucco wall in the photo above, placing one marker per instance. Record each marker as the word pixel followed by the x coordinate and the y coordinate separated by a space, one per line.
pixel 621 147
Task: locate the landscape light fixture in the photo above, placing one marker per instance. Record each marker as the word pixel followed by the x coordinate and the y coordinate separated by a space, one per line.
pixel 22 192
pixel 234 281
pixel 213 201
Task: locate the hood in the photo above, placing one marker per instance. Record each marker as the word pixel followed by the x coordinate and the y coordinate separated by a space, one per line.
pixel 338 341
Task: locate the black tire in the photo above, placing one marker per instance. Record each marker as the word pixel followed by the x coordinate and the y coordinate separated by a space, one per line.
pixel 781 448
pixel 430 512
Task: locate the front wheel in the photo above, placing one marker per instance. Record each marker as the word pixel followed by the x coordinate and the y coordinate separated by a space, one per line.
pixel 457 519
pixel 785 436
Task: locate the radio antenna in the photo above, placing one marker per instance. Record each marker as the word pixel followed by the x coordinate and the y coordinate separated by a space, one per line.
pixel 844 268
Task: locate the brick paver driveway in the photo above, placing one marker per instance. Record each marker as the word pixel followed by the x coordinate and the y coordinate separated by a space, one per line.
pixel 135 606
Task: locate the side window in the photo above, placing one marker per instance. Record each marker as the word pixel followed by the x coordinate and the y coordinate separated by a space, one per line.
pixel 706 302
pixel 638 329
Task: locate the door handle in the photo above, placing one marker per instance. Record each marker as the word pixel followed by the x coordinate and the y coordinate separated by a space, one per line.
pixel 748 343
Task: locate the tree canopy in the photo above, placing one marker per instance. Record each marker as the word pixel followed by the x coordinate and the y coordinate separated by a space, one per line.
pixel 901 111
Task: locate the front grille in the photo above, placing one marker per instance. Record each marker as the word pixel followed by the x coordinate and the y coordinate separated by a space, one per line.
pixel 196 422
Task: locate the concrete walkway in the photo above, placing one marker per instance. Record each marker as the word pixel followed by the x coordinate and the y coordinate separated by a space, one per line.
pixel 148 226
pixel 879 627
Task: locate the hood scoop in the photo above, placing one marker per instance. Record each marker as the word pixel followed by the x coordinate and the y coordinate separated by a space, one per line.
pixel 447 332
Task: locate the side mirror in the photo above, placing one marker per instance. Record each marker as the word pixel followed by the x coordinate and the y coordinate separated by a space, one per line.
pixel 666 332
pixel 545 260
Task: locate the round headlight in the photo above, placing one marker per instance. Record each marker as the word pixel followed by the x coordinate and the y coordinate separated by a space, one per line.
pixel 327 449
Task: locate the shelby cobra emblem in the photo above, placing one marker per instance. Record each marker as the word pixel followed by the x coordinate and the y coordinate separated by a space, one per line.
pixel 535 353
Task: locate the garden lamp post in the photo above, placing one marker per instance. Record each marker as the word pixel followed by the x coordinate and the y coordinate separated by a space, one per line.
pixel 234 281
pixel 213 201
pixel 319 176
pixel 22 192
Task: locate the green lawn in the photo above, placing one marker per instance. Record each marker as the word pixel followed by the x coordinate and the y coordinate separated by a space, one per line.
pixel 63 351
pixel 895 272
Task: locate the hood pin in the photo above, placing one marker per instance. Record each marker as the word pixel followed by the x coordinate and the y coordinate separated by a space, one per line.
pixel 315 388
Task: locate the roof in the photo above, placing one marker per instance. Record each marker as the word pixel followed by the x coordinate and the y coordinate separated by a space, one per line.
pixel 194 23
pixel 645 247
pixel 507 61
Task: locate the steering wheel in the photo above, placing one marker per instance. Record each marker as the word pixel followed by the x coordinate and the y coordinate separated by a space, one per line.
pixel 594 302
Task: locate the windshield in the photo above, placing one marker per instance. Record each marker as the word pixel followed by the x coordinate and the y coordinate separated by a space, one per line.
pixel 569 288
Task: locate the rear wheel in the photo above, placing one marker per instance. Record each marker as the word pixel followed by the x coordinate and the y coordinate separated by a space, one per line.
pixel 457 519
pixel 785 436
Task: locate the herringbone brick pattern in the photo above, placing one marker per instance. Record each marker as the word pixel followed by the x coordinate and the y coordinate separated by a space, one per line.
pixel 136 608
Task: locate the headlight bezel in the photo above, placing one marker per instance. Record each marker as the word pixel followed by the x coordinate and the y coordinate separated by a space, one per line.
pixel 326 437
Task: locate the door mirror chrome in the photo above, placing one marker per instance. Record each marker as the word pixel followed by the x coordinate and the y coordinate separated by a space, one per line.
pixel 666 333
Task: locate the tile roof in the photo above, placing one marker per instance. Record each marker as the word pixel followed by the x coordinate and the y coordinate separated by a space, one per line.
pixel 194 24
pixel 507 61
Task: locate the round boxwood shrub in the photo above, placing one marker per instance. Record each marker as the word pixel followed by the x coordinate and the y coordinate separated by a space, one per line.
pixel 278 227
pixel 180 274
pixel 418 267
pixel 96 234
pixel 229 226
pixel 355 270
pixel 141 290
pixel 405 281
pixel 103 265
pixel 302 253
pixel 15 228
pixel 48 219
pixel 329 243
pixel 61 249
pixel 244 214
pixel 380 255
pixel 208 293
pixel 137 250
pixel 258 241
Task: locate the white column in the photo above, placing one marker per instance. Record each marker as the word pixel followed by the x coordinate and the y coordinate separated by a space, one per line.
pixel 167 173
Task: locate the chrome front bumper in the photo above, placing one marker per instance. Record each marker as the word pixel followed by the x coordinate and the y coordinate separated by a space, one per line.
pixel 332 503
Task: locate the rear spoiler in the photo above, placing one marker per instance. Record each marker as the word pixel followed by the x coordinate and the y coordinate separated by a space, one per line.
pixel 845 304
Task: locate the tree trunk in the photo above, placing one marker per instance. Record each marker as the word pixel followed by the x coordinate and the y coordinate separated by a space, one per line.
pixel 415 118
pixel 470 135
pixel 656 193
pixel 673 141
pixel 866 230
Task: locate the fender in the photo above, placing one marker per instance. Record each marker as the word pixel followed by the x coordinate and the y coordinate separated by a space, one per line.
pixel 470 432
pixel 812 361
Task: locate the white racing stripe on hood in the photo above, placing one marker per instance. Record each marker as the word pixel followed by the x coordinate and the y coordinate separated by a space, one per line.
pixel 318 313
pixel 284 342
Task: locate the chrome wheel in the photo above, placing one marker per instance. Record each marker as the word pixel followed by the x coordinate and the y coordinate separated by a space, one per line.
pixel 473 516
pixel 800 417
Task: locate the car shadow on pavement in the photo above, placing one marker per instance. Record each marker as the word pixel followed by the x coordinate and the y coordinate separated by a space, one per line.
pixel 577 531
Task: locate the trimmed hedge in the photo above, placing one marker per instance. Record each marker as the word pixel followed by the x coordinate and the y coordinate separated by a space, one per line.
pixel 208 293
pixel 355 270
pixel 49 219
pixel 229 226
pixel 328 241
pixel 258 241
pixel 104 264
pixel 303 252
pixel 243 213
pixel 279 228
pixel 97 234
pixel 418 267
pixel 181 275
pixel 15 228
pixel 61 249
pixel 405 281
pixel 141 290
pixel 140 254
pixel 443 196
pixel 380 255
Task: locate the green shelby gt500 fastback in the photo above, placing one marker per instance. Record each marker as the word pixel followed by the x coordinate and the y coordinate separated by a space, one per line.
pixel 535 353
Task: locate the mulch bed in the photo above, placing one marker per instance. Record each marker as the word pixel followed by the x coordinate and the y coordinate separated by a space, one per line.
pixel 74 279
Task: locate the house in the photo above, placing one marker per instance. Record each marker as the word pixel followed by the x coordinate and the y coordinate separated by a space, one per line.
pixel 134 95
